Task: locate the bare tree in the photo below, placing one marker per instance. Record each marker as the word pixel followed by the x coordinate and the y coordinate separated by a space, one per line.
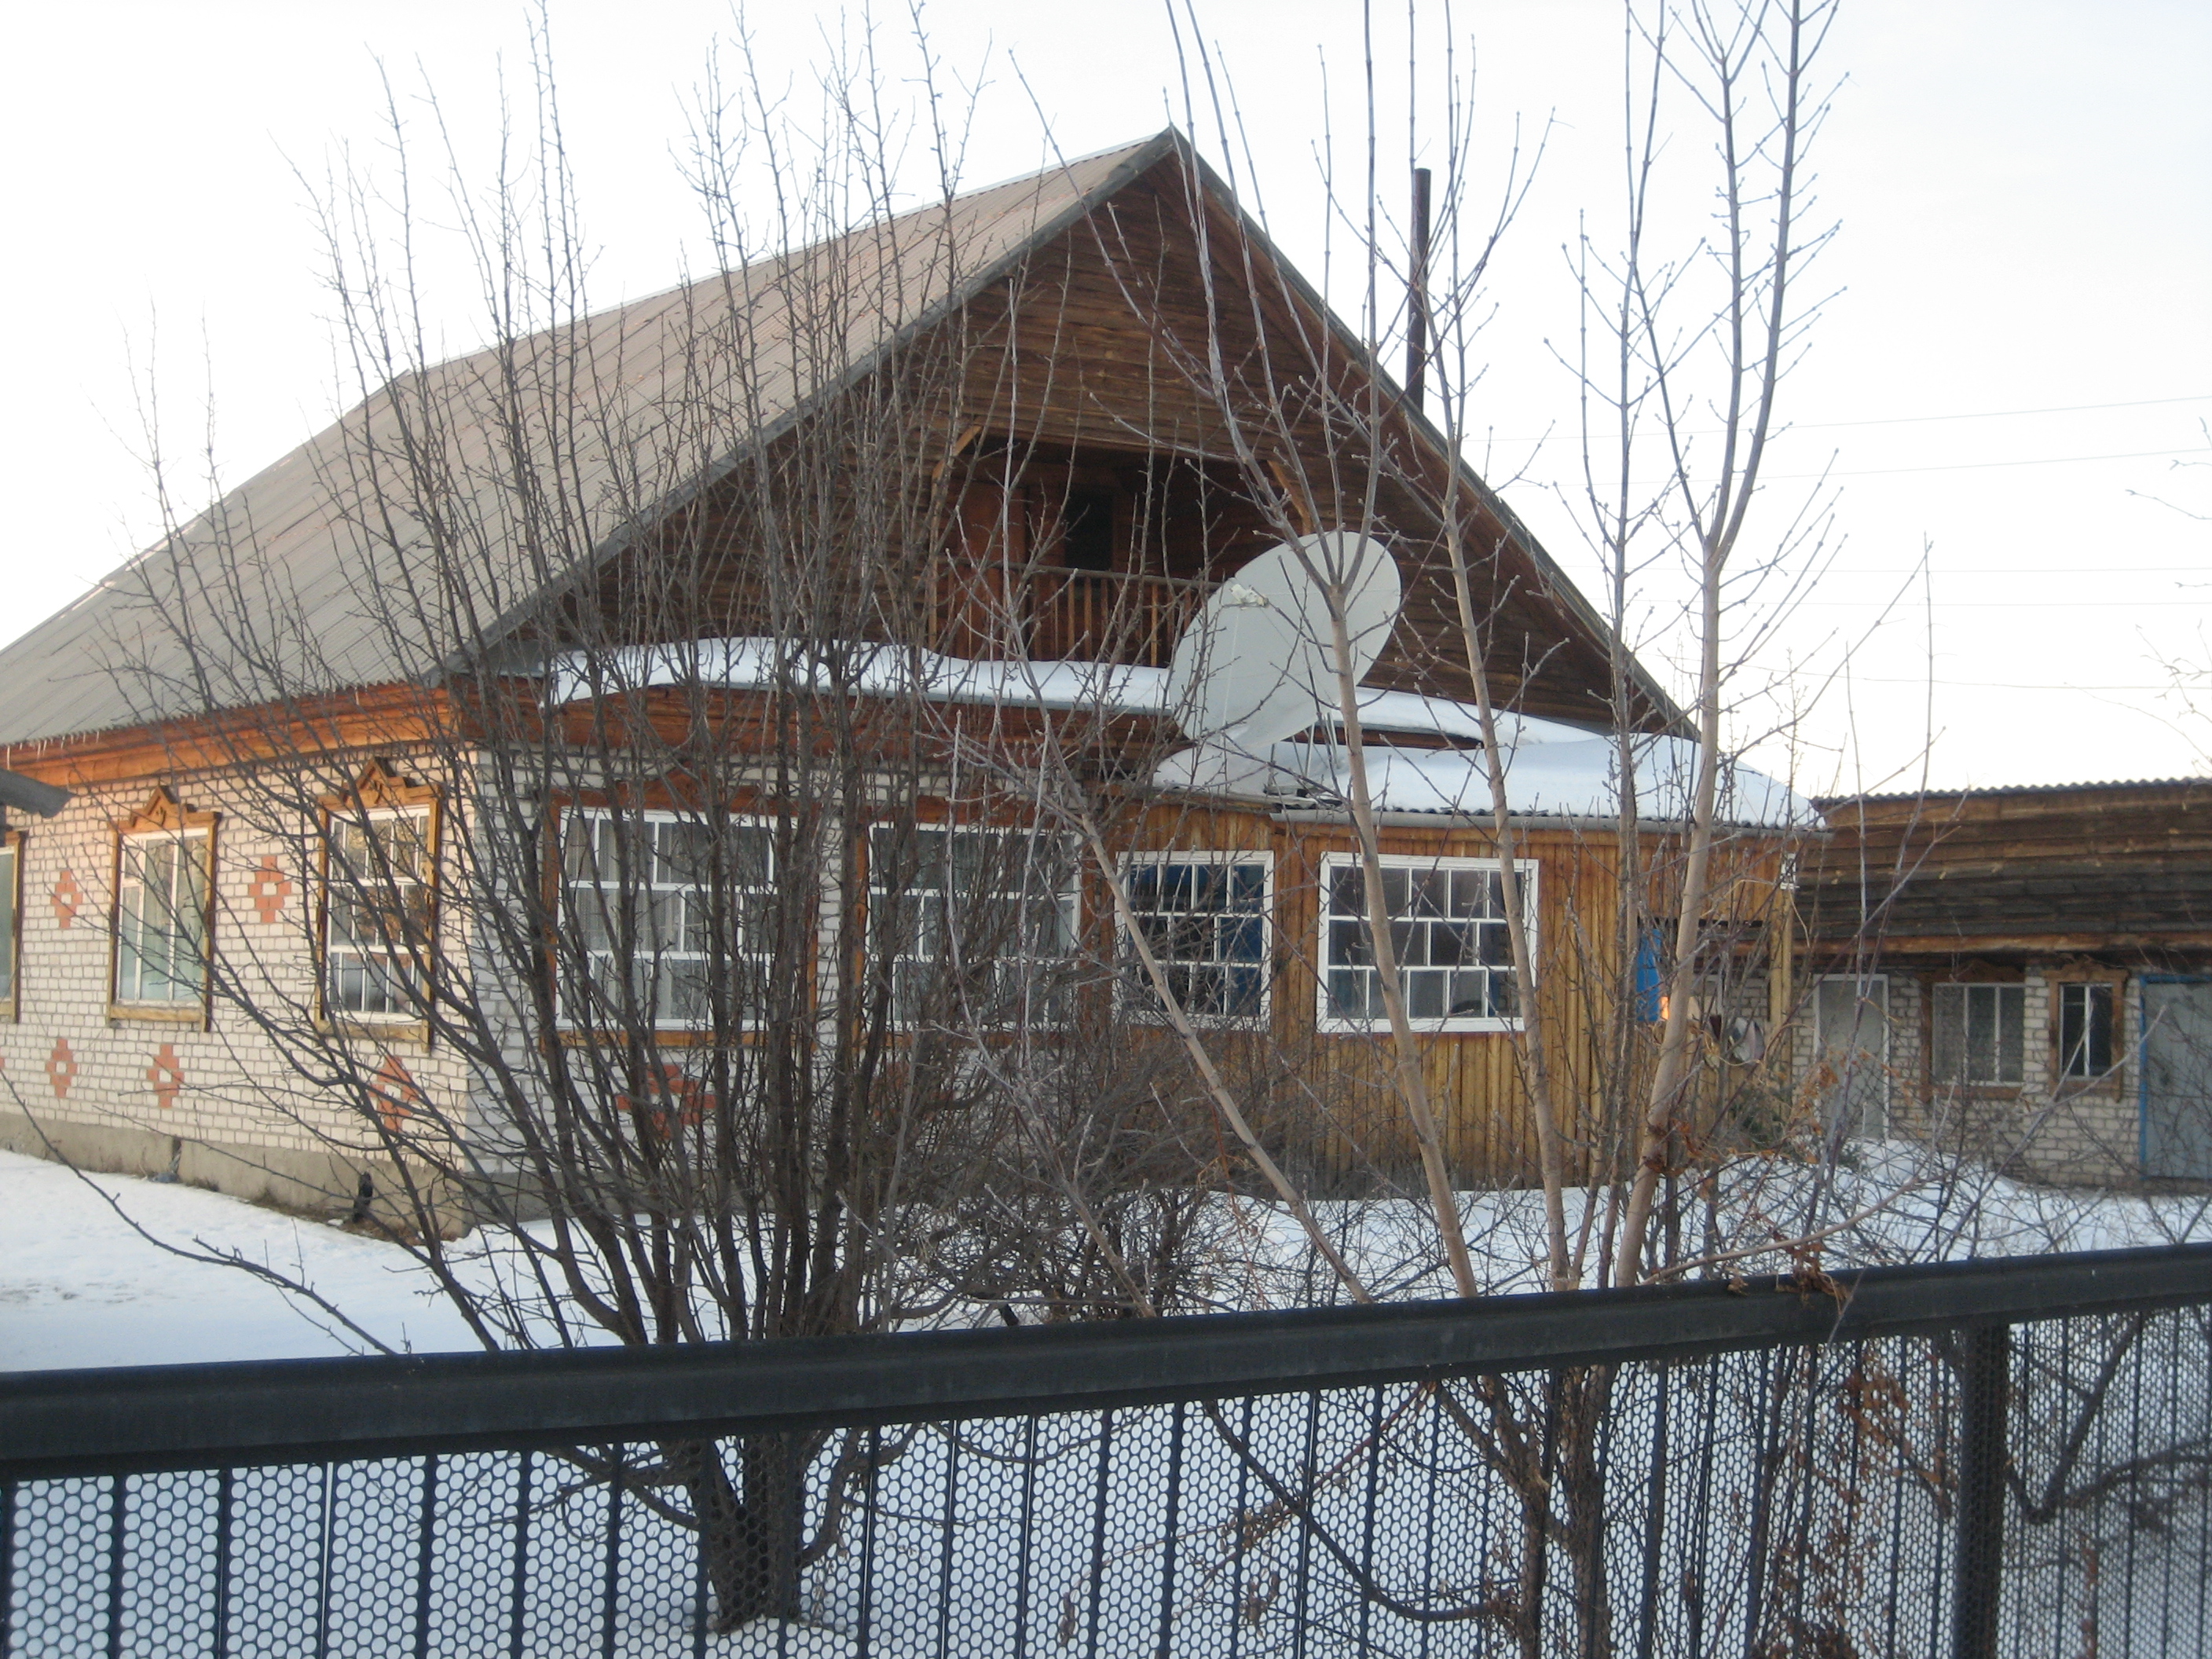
pixel 685 963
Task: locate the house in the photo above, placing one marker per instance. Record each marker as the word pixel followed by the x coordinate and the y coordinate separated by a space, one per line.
pixel 2023 974
pixel 647 699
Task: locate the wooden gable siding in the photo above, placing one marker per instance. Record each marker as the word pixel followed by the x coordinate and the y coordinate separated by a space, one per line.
pixel 1112 330
pixel 2124 868
pixel 1086 356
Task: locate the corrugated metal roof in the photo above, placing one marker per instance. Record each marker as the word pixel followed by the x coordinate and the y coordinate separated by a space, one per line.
pixel 295 560
pixel 1825 802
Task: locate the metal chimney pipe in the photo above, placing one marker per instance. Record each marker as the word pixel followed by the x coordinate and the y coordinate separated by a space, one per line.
pixel 1416 294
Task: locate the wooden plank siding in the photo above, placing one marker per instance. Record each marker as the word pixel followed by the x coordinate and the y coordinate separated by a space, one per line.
pixel 1330 1097
pixel 1089 358
pixel 2090 868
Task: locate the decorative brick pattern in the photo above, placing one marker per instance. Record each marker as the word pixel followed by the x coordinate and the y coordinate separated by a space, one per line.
pixel 61 1067
pixel 225 1086
pixel 269 889
pixel 166 1076
pixel 398 1098
pixel 69 898
pixel 673 1101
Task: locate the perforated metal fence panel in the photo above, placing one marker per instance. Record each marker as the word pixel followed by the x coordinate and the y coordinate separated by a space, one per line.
pixel 2034 1487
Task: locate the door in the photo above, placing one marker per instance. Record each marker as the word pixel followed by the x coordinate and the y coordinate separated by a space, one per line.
pixel 1851 1027
pixel 2176 1078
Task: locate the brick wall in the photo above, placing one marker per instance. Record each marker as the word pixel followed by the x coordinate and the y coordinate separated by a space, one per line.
pixel 2048 1129
pixel 212 1097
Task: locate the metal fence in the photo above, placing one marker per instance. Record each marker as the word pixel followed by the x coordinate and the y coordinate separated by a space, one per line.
pixel 2005 1457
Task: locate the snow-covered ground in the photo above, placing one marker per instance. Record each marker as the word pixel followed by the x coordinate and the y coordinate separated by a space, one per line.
pixel 81 1286
pixel 962 1515
pixel 78 1286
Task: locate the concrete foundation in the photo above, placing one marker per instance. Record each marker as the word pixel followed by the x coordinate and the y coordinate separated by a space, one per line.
pixel 320 1183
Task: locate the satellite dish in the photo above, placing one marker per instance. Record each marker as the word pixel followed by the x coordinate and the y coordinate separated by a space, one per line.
pixel 1259 661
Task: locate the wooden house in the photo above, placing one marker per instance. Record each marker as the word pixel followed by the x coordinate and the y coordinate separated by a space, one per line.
pixel 953 461
pixel 2025 974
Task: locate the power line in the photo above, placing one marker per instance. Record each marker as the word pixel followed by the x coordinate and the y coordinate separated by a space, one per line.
pixel 1907 420
pixel 1906 601
pixel 2073 572
pixel 1968 466
pixel 2000 414
pixel 1999 685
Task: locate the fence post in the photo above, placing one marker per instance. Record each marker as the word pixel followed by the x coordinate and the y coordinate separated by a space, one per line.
pixel 1985 1382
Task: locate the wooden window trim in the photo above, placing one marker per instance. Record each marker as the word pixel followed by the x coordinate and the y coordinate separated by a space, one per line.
pixel 2111 1082
pixel 162 815
pixel 11 1006
pixel 378 787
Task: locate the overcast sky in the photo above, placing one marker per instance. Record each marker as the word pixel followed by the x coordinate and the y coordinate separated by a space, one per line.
pixel 2014 376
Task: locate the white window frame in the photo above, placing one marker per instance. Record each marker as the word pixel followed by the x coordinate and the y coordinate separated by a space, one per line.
pixel 1525 875
pixel 571 817
pixel 2116 1047
pixel 13 847
pixel 195 845
pixel 334 894
pixel 1874 992
pixel 1069 901
pixel 1966 990
pixel 1134 991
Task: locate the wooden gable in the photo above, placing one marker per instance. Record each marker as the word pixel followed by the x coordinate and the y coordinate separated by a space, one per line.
pixel 1083 375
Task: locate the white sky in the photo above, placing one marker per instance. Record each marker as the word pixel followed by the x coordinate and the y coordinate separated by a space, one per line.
pixel 2026 227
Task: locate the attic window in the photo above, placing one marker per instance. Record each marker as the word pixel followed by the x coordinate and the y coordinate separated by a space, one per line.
pixel 1087 532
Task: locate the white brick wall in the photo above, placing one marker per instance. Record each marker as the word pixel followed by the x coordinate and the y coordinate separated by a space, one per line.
pixel 65 1061
pixel 2046 1130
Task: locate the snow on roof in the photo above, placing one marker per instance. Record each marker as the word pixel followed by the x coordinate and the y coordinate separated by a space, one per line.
pixel 873 671
pixel 1552 769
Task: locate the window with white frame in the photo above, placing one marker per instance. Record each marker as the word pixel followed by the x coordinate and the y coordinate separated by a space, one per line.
pixel 161 917
pixel 1448 931
pixel 2087 1019
pixel 377 940
pixel 11 913
pixel 1204 918
pixel 973 925
pixel 1979 1034
pixel 638 901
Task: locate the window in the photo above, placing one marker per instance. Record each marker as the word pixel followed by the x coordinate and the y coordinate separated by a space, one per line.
pixel 978 924
pixel 11 911
pixel 1204 917
pixel 377 940
pixel 1448 929
pixel 161 929
pixel 2085 1030
pixel 638 897
pixel 1978 1034
pixel 163 864
pixel 1851 1029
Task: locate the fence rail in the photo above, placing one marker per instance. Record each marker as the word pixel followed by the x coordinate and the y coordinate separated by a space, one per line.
pixel 2009 1456
pixel 131 1419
